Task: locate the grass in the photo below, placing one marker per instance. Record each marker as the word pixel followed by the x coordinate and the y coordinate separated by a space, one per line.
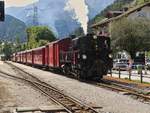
pixel 137 81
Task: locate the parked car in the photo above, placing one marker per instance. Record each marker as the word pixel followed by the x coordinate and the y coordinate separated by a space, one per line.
pixel 121 60
pixel 148 64
pixel 121 66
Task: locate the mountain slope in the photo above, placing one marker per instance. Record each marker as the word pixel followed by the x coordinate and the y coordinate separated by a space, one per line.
pixel 52 14
pixel 12 28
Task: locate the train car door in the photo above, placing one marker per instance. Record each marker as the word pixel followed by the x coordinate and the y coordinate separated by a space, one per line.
pixel 32 57
pixel 43 56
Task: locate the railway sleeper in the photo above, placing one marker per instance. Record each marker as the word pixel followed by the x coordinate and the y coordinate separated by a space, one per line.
pixel 65 100
pixel 71 104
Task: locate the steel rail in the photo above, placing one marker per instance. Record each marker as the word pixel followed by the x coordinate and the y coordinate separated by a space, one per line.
pixel 71 104
pixel 118 87
pixel 121 88
pixel 108 84
pixel 127 86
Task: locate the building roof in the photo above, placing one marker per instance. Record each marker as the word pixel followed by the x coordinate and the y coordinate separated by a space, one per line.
pixel 103 22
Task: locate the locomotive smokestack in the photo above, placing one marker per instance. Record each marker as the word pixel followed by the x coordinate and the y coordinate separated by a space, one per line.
pixel 90 34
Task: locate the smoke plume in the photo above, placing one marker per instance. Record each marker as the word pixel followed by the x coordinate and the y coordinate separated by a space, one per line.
pixel 80 12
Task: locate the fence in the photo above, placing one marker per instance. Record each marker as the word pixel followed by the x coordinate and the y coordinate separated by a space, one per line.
pixel 132 74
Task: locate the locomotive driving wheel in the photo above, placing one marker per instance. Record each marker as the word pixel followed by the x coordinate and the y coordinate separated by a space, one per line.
pixel 66 69
pixel 83 75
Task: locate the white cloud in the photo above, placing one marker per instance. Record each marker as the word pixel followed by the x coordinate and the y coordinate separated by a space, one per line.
pixel 18 3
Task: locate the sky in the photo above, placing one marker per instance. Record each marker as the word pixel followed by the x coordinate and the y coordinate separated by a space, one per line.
pixel 10 3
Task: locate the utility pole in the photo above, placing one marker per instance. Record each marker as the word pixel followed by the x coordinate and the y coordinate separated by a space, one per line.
pixel 145 62
pixel 35 15
pixel 35 21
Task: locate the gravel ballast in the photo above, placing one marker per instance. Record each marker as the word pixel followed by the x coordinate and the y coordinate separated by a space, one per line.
pixel 15 94
pixel 110 101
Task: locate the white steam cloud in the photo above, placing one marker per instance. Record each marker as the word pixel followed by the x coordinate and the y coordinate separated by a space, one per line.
pixel 80 10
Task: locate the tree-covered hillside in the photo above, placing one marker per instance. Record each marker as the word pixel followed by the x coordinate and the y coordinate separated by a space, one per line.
pixel 12 28
pixel 117 5
pixel 51 13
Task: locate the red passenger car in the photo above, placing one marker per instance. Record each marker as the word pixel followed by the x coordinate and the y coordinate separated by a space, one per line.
pixel 21 57
pixel 50 55
pixel 24 57
pixel 29 57
pixel 18 57
pixel 38 56
pixel 53 51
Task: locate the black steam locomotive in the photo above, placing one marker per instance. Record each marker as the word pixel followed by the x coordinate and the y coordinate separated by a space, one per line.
pixel 85 57
pixel 89 57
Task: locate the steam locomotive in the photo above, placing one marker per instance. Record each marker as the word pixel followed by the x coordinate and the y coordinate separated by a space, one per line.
pixel 85 57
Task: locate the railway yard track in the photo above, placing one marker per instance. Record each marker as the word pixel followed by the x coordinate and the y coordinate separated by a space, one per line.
pixel 120 87
pixel 109 84
pixel 70 104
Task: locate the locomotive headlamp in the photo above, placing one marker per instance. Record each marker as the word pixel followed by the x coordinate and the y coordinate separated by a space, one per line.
pixel 95 37
pixel 110 56
pixel 84 57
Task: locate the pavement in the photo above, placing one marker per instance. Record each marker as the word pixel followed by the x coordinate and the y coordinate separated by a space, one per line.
pixel 1 62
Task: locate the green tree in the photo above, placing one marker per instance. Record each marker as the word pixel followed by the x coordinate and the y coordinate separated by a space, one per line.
pixel 131 35
pixel 38 36
pixel 1 47
pixel 141 1
pixel 23 46
pixel 17 44
pixel 8 50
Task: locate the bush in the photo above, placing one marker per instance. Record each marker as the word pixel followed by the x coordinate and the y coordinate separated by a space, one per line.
pixel 38 36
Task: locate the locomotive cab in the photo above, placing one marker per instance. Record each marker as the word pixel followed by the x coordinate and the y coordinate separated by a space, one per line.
pixel 93 57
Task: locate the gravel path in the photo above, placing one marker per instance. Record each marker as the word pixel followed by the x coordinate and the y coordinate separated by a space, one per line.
pixel 110 101
pixel 16 94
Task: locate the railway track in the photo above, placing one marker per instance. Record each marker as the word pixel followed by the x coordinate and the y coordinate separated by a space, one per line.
pixel 71 104
pixel 111 85
pixel 127 89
